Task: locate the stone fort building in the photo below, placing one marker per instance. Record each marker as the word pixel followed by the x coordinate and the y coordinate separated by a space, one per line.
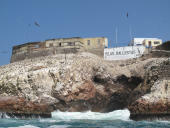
pixel 59 46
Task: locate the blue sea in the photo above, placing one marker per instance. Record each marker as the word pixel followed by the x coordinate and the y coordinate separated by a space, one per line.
pixel 115 119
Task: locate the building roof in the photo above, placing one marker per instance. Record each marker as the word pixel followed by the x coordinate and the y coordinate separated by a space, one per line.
pixel 146 39
pixel 63 38
pixel 37 42
pixel 29 43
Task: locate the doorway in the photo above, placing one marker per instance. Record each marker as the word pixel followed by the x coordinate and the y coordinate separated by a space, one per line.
pixel 150 44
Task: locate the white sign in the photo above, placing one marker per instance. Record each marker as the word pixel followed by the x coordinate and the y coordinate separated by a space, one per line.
pixel 122 53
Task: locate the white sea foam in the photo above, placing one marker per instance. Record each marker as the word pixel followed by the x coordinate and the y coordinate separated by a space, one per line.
pixel 164 121
pixel 4 115
pixel 25 126
pixel 114 115
pixel 48 120
pixel 59 126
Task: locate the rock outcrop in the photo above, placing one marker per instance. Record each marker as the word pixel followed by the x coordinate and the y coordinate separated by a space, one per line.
pixel 20 107
pixel 153 95
pixel 80 82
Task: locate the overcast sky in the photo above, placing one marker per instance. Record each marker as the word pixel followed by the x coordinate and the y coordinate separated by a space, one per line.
pixel 81 18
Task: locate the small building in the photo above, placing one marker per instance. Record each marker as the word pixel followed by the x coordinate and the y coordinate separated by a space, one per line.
pixel 59 46
pixel 147 42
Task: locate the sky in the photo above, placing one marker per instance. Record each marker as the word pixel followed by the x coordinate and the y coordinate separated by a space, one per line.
pixel 81 18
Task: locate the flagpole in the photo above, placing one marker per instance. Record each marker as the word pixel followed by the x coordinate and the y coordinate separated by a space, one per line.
pixel 130 32
pixel 116 36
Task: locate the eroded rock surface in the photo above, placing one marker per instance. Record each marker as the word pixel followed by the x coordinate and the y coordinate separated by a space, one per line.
pixel 153 95
pixel 80 82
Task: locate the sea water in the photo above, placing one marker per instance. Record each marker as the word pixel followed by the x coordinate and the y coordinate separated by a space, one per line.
pixel 115 119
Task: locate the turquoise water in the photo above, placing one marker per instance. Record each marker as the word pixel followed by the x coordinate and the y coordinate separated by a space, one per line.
pixel 115 119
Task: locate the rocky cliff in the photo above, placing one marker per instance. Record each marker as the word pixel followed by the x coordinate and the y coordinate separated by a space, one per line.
pixel 153 95
pixel 80 82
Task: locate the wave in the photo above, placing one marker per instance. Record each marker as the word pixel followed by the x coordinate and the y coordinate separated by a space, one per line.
pixel 31 126
pixel 114 115
pixel 163 121
pixel 59 126
pixel 4 115
pixel 25 126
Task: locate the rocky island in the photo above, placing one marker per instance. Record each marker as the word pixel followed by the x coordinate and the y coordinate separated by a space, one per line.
pixel 84 81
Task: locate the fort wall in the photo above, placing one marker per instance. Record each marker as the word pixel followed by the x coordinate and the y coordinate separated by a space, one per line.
pixel 58 46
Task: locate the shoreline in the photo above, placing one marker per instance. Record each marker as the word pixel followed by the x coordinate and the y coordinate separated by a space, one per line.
pixel 24 115
pixel 134 117
pixel 150 117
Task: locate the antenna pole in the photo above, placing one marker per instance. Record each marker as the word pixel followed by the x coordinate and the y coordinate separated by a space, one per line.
pixel 130 32
pixel 116 35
